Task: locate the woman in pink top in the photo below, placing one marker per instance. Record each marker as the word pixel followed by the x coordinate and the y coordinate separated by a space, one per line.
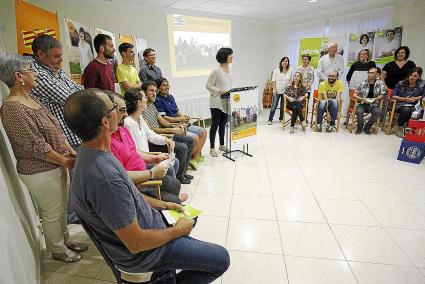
pixel 43 155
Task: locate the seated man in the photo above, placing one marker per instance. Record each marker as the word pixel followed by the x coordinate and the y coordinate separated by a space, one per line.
pixel 330 97
pixel 135 101
pixel 124 149
pixel 368 93
pixel 126 223
pixel 167 107
pixel 154 119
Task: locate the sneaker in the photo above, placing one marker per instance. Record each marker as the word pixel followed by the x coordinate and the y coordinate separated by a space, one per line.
pixel 400 132
pixel 184 180
pixel 213 153
pixel 200 159
pixel 188 176
pixel 303 125
pixel 270 122
pixel 223 148
pixel 329 129
pixel 291 130
pixel 193 164
pixel 319 128
pixel 359 131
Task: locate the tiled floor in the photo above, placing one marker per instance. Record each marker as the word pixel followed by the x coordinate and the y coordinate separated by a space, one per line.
pixel 307 208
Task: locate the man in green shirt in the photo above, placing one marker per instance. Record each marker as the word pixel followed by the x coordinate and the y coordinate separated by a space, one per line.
pixel 126 73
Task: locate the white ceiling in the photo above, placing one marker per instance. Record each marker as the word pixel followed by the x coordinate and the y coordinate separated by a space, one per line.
pixel 269 10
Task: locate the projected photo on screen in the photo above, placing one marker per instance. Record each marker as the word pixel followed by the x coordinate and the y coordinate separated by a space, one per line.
pixel 194 42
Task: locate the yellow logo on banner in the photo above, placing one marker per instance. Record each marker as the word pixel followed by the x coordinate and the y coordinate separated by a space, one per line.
pixel 236 98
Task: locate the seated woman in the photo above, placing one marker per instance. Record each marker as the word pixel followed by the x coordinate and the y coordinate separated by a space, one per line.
pixel 167 107
pixel 407 94
pixel 295 94
pixel 42 153
pixel 135 162
pixel 136 102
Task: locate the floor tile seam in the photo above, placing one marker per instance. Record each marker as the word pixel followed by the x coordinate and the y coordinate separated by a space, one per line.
pixel 277 223
pixel 387 232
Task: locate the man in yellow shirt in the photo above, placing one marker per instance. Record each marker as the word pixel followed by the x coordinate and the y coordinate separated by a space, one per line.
pixel 126 73
pixel 330 96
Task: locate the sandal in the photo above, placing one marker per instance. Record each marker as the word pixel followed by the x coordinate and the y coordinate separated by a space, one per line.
pixel 77 247
pixel 67 256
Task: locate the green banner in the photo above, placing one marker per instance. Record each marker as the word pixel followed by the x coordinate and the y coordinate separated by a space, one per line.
pixel 310 46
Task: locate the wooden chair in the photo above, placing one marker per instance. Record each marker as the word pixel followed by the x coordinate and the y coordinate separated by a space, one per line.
pixel 156 184
pixel 327 117
pixel 121 276
pixel 350 108
pixel 289 112
pixel 352 119
pixel 390 116
pixel 268 94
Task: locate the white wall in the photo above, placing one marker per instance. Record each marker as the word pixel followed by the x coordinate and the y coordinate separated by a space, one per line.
pixel 248 42
pixel 410 15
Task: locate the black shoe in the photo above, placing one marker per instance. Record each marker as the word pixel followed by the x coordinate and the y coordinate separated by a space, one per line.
pixel 188 176
pixel 319 128
pixel 359 130
pixel 367 131
pixel 185 181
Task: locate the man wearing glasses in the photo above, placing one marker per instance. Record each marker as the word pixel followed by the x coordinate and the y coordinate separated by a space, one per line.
pixel 149 72
pixel 128 224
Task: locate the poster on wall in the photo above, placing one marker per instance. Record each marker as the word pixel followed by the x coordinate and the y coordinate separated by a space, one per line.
pixel 339 40
pixel 28 28
pixel 386 42
pixel 141 45
pixel 358 42
pixel 310 46
pixel 80 47
pixel 244 111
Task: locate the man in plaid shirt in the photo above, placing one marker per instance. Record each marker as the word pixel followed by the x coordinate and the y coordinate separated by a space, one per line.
pixel 53 88
pixel 53 85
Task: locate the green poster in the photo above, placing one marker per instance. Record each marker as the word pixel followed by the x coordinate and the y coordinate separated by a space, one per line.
pixel 310 46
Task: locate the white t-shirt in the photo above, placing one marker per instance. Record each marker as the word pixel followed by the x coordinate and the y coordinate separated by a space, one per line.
pixel 388 47
pixel 142 134
pixel 283 79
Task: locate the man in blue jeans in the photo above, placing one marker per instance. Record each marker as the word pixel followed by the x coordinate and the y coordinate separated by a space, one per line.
pixel 329 96
pixel 128 224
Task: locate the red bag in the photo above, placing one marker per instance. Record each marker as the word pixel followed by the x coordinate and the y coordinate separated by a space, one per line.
pixel 415 131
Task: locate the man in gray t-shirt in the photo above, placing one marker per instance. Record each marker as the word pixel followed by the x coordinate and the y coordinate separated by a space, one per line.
pixel 127 224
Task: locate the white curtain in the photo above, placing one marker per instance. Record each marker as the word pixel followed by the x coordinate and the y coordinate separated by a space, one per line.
pixel 372 20
pixel 335 27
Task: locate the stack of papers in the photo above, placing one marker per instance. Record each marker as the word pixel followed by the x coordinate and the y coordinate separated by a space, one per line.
pixel 190 212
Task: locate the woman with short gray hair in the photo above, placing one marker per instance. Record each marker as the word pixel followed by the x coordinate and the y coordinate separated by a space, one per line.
pixel 42 153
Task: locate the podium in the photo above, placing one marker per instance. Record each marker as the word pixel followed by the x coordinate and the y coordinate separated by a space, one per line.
pixel 242 113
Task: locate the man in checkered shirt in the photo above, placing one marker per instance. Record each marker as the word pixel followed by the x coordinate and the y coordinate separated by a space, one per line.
pixel 53 88
pixel 53 85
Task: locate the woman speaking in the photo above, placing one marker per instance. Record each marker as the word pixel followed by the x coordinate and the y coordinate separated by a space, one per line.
pixel 219 82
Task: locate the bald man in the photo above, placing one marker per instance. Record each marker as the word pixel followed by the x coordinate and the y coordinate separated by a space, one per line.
pixel 330 61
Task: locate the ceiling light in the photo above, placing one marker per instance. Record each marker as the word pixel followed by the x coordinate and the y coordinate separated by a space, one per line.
pixel 312 1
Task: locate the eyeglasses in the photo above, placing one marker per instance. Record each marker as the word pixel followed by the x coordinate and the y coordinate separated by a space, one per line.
pixel 115 106
pixel 123 110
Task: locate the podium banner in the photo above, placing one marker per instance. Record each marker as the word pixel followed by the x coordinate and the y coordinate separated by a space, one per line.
pixel 243 120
